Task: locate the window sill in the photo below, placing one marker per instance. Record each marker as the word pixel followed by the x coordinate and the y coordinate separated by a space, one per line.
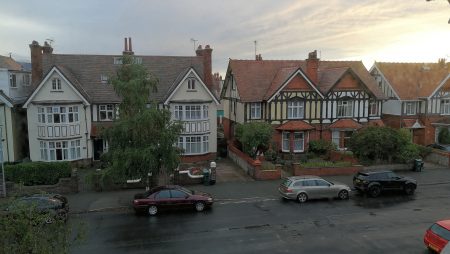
pixel 56 91
pixel 191 91
pixel 13 87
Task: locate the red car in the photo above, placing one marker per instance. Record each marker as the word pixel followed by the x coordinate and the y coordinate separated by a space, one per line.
pixel 171 197
pixel 437 236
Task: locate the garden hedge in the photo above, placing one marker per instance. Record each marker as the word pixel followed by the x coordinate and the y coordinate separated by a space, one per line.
pixel 37 173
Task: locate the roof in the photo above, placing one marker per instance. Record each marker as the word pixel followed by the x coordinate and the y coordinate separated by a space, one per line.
pixel 412 81
pixel 269 75
pixel 84 71
pixel 5 99
pixel 295 125
pixel 9 63
pixel 376 122
pixel 444 223
pixel 345 124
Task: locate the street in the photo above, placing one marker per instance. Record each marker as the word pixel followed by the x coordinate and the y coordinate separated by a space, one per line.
pixel 254 219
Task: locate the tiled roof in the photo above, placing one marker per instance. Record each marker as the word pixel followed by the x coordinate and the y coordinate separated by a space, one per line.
pixel 85 70
pixel 295 125
pixel 376 122
pixel 9 63
pixel 257 80
pixel 345 124
pixel 413 80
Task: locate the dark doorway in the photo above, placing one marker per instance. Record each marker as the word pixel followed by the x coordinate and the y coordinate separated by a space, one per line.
pixel 98 148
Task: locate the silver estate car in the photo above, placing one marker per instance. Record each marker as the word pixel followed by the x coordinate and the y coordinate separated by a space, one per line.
pixel 303 188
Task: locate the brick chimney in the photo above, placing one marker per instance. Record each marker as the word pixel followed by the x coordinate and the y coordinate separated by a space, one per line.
pixel 128 49
pixel 312 66
pixel 206 54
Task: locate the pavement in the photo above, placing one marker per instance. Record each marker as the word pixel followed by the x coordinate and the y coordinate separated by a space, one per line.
pixel 232 184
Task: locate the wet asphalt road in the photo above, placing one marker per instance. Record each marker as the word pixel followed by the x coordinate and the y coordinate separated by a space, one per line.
pixel 392 223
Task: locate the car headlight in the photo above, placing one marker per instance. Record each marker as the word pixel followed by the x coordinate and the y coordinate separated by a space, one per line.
pixel 210 199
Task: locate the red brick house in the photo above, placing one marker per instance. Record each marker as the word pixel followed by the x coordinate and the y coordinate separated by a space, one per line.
pixel 303 99
pixel 418 97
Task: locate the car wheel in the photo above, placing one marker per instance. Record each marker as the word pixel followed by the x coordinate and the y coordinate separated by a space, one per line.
pixel 343 194
pixel 409 189
pixel 374 191
pixel 152 210
pixel 302 197
pixel 199 206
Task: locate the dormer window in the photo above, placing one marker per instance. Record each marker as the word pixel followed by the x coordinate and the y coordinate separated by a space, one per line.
pixel 191 84
pixel 56 84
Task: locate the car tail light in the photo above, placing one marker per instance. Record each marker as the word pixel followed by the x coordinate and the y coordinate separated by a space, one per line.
pixel 289 190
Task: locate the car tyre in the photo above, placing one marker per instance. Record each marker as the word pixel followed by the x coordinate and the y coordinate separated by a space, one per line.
pixel 374 191
pixel 343 195
pixel 409 189
pixel 152 210
pixel 199 206
pixel 302 197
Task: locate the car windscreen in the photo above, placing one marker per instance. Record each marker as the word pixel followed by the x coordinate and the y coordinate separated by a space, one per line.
pixel 186 190
pixel 440 231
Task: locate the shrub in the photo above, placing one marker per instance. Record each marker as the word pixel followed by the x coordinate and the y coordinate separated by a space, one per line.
pixel 270 155
pixel 254 136
pixel 444 136
pixel 37 173
pixel 321 146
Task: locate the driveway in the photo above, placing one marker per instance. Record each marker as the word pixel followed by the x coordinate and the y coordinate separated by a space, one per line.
pixel 228 171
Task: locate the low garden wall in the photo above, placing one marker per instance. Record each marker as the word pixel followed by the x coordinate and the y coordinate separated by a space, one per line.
pixel 439 157
pixel 325 171
pixel 252 167
pixel 343 156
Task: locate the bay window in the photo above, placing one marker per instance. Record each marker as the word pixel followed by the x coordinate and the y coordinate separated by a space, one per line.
pixel 58 114
pixel 293 141
pixel 60 150
pixel 190 112
pixel 194 144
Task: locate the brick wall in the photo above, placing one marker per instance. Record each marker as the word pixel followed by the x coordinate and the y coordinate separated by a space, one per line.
pixel 299 170
pixel 439 157
pixel 198 158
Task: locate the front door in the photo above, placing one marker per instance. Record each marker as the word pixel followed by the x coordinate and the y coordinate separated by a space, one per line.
pixel 98 148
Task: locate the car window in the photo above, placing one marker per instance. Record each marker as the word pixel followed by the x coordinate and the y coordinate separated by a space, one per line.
pixel 391 175
pixel 298 184
pixel 381 176
pixel 178 194
pixel 287 182
pixel 322 183
pixel 164 194
pixel 309 183
pixel 440 231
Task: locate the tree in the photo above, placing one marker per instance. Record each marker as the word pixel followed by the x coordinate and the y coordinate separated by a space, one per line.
pixel 25 230
pixel 254 136
pixel 142 139
pixel 383 144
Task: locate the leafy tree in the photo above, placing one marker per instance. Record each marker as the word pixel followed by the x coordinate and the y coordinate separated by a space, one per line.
pixel 444 136
pixel 25 230
pixel 254 136
pixel 321 146
pixel 142 139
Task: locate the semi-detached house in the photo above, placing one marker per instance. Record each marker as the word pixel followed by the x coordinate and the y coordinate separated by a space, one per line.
pixel 74 100
pixel 303 100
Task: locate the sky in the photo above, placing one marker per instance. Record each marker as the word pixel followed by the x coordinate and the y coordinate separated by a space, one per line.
pixel 367 30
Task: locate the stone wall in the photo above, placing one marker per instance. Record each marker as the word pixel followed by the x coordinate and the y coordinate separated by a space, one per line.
pixel 439 157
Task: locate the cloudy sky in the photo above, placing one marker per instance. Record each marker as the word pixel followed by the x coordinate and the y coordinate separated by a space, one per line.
pixel 368 30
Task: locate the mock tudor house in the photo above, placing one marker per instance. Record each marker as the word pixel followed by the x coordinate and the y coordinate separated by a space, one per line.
pixel 15 86
pixel 418 97
pixel 73 100
pixel 303 99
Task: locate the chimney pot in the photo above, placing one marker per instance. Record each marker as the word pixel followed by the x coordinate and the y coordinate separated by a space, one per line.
pixel 129 45
pixel 125 44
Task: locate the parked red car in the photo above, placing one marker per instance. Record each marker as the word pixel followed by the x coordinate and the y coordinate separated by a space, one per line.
pixel 437 236
pixel 171 197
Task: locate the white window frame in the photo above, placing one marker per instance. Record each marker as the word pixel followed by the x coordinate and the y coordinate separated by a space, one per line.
pixel 194 145
pixel 70 150
pixel 106 112
pixel 193 112
pixel 13 80
pixel 104 79
pixel 178 112
pixel 373 105
pixel 296 109
pixel 445 106
pixel 299 140
pixel 344 108
pixel 56 84
pixel 26 79
pixel 255 110
pixel 191 84
pixel 410 108
pixel 285 141
pixel 41 115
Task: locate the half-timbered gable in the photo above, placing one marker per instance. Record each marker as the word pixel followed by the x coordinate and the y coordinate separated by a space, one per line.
pixel 418 97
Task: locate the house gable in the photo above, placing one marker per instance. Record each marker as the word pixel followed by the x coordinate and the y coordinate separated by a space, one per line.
pixel 188 91
pixel 347 82
pixel 44 91
pixel 297 80
pixel 444 86
pixel 5 100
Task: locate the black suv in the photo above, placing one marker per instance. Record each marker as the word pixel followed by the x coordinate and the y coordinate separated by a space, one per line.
pixel 375 182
